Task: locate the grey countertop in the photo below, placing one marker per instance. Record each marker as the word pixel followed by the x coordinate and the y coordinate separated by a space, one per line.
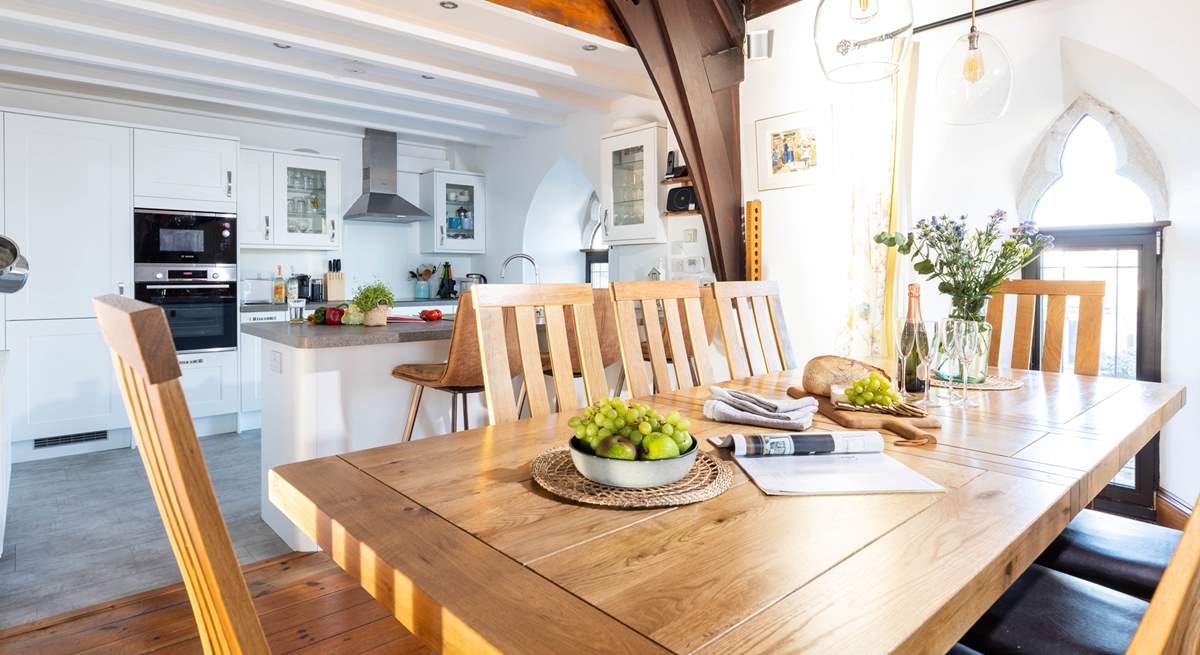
pixel 406 302
pixel 304 335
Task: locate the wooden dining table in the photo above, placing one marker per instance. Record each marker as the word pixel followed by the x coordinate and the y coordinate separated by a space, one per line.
pixel 453 536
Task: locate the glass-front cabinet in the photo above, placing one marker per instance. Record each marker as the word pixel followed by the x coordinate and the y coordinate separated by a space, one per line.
pixel 306 194
pixel 455 200
pixel 631 167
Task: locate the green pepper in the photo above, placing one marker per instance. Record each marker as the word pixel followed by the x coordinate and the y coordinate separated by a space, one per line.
pixel 319 316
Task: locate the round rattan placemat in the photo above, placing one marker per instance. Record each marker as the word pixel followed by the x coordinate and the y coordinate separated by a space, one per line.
pixel 992 383
pixel 554 472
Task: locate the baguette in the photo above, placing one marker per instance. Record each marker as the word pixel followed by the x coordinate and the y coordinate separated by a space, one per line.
pixel 822 372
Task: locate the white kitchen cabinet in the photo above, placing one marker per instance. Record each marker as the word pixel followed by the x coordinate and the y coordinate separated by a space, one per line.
pixel 60 380
pixel 256 202
pixel 307 202
pixel 184 171
pixel 250 356
pixel 67 203
pixel 456 200
pixel 630 169
pixel 210 382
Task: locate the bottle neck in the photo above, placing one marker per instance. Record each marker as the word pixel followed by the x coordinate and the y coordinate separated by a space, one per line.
pixel 914 304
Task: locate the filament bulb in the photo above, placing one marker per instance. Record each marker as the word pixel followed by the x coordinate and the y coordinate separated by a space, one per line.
pixel 973 69
pixel 863 10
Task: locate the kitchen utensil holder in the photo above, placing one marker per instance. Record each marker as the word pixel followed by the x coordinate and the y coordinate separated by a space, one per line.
pixel 335 287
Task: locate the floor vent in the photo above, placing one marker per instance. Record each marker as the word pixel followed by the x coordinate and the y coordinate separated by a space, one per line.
pixel 50 442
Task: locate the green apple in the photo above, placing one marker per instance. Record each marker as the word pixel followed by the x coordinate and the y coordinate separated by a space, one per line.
pixel 660 446
pixel 617 448
pixel 683 439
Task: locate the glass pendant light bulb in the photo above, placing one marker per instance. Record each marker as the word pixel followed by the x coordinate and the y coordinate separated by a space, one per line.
pixel 975 81
pixel 862 40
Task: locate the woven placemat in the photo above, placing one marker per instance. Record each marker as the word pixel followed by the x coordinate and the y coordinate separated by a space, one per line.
pixel 993 383
pixel 554 472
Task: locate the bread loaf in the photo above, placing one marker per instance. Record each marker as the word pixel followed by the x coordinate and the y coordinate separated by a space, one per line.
pixel 821 372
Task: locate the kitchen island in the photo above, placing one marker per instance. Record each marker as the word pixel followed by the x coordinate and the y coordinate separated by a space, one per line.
pixel 328 390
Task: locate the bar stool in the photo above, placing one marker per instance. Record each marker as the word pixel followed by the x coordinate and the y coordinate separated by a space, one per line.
pixel 459 376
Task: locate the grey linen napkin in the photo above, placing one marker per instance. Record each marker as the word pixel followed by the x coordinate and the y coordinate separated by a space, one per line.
pixel 729 406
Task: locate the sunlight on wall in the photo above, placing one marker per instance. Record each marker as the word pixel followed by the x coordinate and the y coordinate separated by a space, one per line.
pixel 1090 191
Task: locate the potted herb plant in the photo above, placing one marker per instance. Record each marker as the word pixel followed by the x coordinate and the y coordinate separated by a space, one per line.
pixel 968 264
pixel 374 300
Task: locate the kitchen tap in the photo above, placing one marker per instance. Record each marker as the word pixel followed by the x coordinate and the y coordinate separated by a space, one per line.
pixel 537 276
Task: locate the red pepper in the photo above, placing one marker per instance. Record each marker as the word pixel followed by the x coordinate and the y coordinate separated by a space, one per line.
pixel 333 316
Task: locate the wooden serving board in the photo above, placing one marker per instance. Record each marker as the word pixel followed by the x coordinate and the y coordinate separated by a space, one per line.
pixel 910 430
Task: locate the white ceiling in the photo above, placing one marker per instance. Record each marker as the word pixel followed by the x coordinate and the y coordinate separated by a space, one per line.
pixel 351 64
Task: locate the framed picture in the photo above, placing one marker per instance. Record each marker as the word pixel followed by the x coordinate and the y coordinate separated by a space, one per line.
pixel 794 149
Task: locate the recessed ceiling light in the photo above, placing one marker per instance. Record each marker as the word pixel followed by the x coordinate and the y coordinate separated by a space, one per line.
pixel 427 77
pixel 446 4
pixel 281 46
pixel 591 47
pixel 354 67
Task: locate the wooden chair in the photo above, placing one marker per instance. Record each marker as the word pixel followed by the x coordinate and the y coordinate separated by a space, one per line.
pixel 148 372
pixel 629 297
pixel 492 301
pixel 1171 624
pixel 753 328
pixel 1087 336
pixel 459 375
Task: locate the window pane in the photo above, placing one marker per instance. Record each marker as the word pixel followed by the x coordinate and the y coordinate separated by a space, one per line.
pixel 1118 268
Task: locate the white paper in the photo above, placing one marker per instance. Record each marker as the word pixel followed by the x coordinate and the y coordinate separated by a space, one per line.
pixel 834 475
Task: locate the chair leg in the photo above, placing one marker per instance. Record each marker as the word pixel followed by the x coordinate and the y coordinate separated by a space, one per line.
pixel 521 398
pixel 412 411
pixel 694 371
pixel 466 421
pixel 453 412
pixel 620 382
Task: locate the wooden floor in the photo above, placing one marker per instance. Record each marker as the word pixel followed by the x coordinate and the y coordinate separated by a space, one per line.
pixel 305 602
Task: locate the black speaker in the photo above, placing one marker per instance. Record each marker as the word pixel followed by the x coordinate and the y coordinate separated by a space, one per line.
pixel 681 199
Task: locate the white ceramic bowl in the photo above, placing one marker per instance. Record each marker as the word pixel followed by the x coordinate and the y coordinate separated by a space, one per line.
pixel 636 474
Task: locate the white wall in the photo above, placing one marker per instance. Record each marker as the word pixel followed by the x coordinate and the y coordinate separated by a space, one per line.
pixel 370 251
pixel 1138 60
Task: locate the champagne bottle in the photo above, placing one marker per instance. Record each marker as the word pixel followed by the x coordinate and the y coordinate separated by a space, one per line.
pixel 913 332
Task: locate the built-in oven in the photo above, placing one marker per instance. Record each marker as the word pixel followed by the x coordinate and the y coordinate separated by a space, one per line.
pixel 164 236
pixel 200 302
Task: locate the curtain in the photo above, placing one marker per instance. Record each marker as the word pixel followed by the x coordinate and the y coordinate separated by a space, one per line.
pixel 876 128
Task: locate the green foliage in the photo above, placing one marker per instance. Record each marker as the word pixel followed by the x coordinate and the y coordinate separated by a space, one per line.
pixel 968 264
pixel 370 296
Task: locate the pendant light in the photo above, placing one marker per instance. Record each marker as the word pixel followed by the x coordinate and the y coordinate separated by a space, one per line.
pixel 862 40
pixel 975 81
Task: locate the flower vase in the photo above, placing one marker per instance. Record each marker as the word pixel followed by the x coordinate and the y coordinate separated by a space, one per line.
pixel 977 369
pixel 376 317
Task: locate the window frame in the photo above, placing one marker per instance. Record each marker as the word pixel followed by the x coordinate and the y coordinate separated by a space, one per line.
pixel 1139 501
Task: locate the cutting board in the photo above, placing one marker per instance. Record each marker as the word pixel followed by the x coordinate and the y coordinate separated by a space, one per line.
pixel 911 430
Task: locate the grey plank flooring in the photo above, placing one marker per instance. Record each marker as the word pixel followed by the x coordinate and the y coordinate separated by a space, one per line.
pixel 84 529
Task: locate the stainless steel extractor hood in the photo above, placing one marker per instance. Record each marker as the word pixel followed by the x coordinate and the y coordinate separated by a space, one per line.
pixel 379 201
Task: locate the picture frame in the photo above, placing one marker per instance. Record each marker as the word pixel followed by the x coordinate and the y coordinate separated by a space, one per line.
pixel 794 149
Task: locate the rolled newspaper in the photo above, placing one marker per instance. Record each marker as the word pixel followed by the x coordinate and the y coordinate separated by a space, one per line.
pixel 828 443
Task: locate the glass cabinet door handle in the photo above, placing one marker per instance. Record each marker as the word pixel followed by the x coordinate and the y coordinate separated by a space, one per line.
pixel 228 184
pixel 332 230
pixel 442 238
pixel 267 226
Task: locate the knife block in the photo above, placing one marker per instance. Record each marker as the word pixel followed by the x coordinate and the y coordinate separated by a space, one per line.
pixel 335 287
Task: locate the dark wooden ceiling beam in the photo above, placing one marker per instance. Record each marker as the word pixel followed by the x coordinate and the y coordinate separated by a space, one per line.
pixel 591 16
pixel 692 49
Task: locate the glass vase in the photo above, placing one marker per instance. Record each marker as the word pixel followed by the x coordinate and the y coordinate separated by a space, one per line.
pixel 949 369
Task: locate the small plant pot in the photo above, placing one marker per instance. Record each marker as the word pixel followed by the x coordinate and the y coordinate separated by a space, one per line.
pixel 421 290
pixel 376 317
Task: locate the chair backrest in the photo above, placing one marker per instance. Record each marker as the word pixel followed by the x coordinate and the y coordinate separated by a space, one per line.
pixel 1171 625
pixel 148 371
pixel 629 297
pixel 606 330
pixel 492 301
pixel 462 359
pixel 1087 335
pixel 753 328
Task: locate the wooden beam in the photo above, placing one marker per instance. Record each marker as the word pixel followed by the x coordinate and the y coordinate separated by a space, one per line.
pixel 686 46
pixel 756 8
pixel 591 16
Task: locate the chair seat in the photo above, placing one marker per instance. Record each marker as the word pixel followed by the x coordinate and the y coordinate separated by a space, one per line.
pixel 1119 553
pixel 1050 613
pixel 424 374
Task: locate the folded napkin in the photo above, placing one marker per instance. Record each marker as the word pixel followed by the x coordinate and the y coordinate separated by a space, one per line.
pixel 728 406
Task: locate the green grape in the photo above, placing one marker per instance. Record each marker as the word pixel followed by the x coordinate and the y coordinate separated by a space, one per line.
pixel 604 432
pixel 645 428
pixel 668 429
pixel 598 419
pixel 610 424
pixel 673 416
pixel 684 425
pixel 868 397
pixel 593 430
